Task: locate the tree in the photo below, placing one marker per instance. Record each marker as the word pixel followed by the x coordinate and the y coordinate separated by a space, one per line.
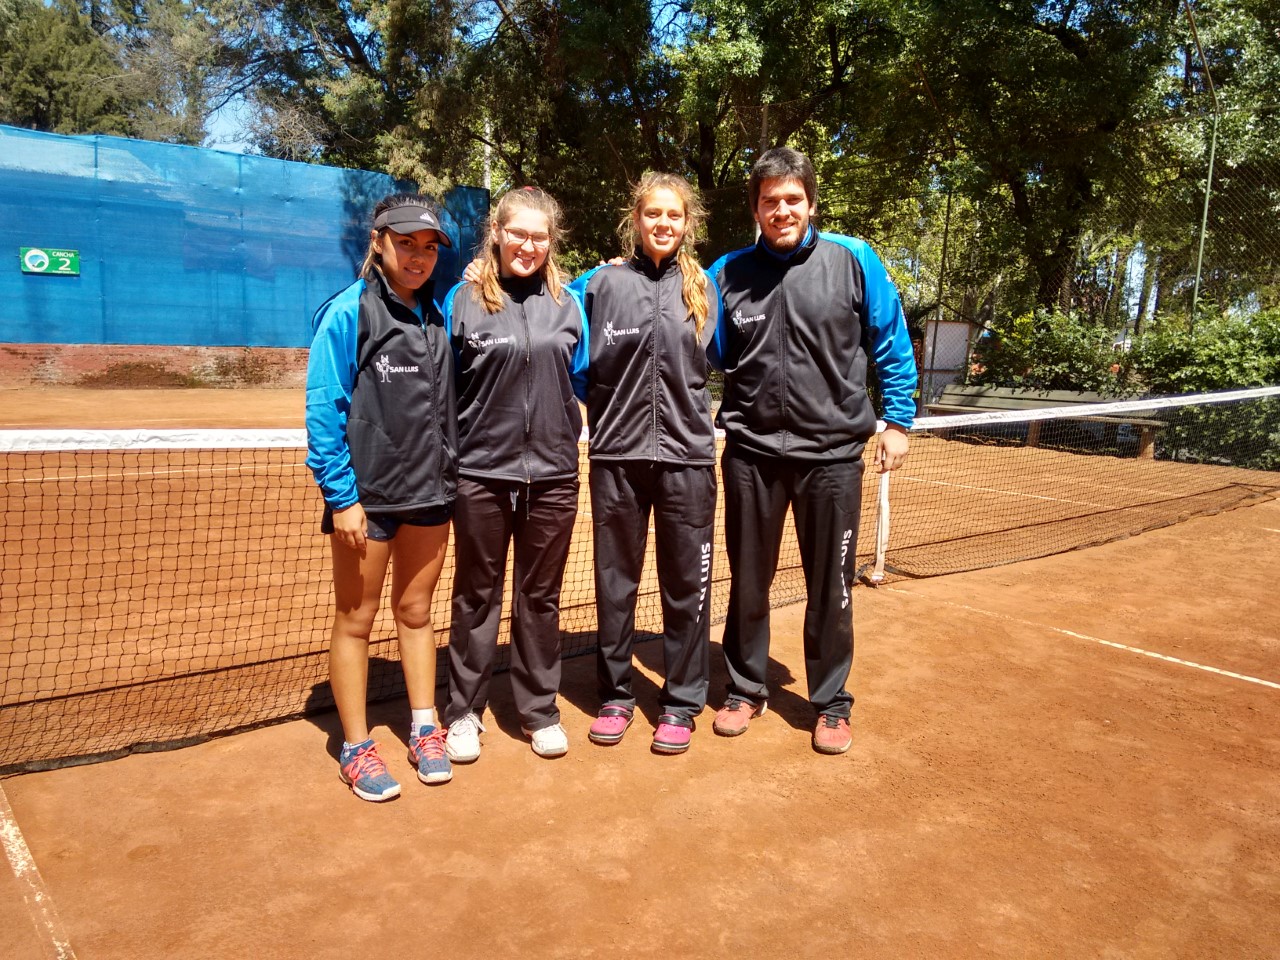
pixel 142 69
pixel 58 75
pixel 1047 99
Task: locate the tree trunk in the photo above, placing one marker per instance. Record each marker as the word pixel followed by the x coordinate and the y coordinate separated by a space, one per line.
pixel 1054 272
pixel 1150 270
pixel 1116 295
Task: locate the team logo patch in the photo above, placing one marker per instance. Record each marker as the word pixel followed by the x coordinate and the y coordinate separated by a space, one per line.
pixel 386 368
pixel 741 322
pixel 611 333
pixel 480 343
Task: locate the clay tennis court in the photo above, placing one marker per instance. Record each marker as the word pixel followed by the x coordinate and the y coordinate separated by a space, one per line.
pixel 1072 756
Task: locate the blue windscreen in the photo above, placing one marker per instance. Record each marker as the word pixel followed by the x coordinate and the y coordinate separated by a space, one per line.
pixel 187 246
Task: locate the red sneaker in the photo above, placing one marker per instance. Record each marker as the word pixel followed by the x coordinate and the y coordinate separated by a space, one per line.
pixel 832 735
pixel 734 716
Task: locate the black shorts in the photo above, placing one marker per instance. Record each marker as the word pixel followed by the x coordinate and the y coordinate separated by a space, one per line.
pixel 383 526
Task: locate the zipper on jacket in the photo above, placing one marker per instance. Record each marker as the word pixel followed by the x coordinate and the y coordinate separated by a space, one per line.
pixel 782 357
pixel 654 353
pixel 435 382
pixel 528 391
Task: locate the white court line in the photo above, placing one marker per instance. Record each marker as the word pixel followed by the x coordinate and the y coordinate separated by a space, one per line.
pixel 1271 530
pixel 1084 636
pixel 34 893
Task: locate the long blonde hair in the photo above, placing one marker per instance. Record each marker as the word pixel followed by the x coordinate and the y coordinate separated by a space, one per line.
pixel 487 289
pixel 372 258
pixel 694 287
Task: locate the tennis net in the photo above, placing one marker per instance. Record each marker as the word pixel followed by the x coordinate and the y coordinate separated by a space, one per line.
pixel 161 587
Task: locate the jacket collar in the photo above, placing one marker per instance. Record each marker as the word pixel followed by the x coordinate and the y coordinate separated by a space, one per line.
pixel 646 266
pixel 801 252
pixel 520 289
pixel 424 293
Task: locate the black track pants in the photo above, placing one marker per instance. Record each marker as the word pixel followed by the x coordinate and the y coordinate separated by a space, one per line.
pixel 824 499
pixel 488 515
pixel 682 502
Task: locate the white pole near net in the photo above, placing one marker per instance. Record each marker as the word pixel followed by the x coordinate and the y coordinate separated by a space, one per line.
pixel 882 519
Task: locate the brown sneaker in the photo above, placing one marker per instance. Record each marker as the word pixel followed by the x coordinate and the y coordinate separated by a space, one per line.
pixel 832 734
pixel 734 716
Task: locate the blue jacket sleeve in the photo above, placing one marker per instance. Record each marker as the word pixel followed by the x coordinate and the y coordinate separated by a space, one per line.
pixel 890 343
pixel 582 354
pixel 890 346
pixel 715 317
pixel 446 311
pixel 579 286
pixel 720 342
pixel 331 377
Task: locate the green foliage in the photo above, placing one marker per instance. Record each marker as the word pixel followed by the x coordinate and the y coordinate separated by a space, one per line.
pixel 1221 353
pixel 1034 143
pixel 57 74
pixel 1245 435
pixel 139 70
pixel 1047 350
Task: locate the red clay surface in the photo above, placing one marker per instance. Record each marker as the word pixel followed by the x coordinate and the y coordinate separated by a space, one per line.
pixel 1026 780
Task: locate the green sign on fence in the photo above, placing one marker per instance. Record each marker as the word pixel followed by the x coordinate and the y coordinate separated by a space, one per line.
pixel 61 263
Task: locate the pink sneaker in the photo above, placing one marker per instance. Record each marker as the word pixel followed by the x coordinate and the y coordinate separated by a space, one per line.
pixel 610 725
pixel 673 733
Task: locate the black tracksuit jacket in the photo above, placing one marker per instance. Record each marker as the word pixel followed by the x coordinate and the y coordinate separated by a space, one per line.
pixel 520 373
pixel 647 385
pixel 381 416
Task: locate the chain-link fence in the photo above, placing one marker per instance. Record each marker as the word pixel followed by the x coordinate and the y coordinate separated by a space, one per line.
pixel 1118 230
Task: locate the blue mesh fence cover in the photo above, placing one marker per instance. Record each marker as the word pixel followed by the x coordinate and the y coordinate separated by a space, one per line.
pixel 187 246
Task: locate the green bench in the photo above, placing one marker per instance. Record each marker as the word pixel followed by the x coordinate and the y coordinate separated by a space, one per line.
pixel 957 398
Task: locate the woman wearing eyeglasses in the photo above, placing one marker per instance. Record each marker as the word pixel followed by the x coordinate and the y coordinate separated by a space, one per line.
pixel 520 345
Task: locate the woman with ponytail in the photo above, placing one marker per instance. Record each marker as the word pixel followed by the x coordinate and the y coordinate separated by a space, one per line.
pixel 520 345
pixel 652 453
pixel 382 443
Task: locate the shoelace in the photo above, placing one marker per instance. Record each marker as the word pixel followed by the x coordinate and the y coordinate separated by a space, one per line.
pixel 431 746
pixel 367 763
pixel 468 725
pixel 832 722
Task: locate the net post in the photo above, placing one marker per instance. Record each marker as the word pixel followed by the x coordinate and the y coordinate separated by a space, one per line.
pixel 882 518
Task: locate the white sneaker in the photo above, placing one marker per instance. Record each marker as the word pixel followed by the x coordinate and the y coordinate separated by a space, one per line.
pixel 550 741
pixel 462 743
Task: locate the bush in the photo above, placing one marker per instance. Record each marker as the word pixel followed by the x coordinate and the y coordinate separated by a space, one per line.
pixel 1047 350
pixel 1222 353
pixel 1054 351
